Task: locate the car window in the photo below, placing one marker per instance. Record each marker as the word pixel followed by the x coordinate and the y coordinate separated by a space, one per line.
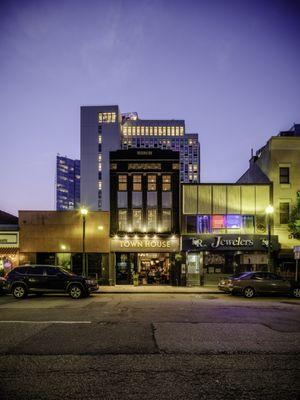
pixel 36 270
pixel 257 276
pixel 52 271
pixel 20 270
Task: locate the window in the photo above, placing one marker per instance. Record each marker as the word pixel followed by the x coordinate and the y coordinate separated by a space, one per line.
pixel 203 224
pixel 151 219
pixel 218 221
pixel 137 182
pixel 284 212
pixel 137 220
pixel 122 199
pixel 166 221
pixel 137 199
pixel 122 218
pixel 107 117
pixel 166 182
pixel 36 270
pixel 122 180
pixel 191 224
pixel 166 199
pixel 151 199
pixel 284 175
pixel 248 223
pixel 51 271
pixel 151 182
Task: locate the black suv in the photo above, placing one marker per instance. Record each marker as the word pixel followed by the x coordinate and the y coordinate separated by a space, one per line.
pixel 41 279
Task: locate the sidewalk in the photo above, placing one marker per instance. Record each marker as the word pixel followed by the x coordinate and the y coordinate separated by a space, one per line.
pixel 159 289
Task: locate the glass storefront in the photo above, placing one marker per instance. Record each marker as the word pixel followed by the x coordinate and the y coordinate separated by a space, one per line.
pixel 150 268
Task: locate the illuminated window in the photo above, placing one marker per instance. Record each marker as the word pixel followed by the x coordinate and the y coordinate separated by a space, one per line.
pixel 233 221
pixel 155 130
pixel 151 219
pixel 107 117
pixel 124 129
pixel 203 224
pixel 99 139
pixel 181 130
pixel 218 221
pixel 147 130
pixel 137 182
pixel 122 181
pixel 151 182
pixel 142 130
pixel 160 131
pixel 138 130
pixel 137 219
pixel 173 130
pixel 166 220
pixel 122 220
pixel 168 130
pixel 99 185
pixel 166 182
pixel 133 130
pixel 100 166
pixel 129 130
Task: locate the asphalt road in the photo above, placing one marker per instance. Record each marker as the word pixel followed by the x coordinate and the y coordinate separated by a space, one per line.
pixel 157 346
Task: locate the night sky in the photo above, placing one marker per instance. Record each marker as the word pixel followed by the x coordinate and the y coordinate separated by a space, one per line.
pixel 231 69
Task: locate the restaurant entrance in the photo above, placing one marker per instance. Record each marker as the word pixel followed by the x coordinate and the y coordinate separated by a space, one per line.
pixel 151 268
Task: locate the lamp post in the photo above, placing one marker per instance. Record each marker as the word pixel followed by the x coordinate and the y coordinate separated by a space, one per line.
pixel 269 212
pixel 83 212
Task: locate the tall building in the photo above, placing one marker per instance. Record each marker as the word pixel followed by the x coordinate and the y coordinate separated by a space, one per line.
pixel 144 215
pixel 100 134
pixel 164 134
pixel 278 161
pixel 104 129
pixel 67 183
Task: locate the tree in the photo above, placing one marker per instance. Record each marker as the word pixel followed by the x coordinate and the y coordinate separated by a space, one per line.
pixel 294 223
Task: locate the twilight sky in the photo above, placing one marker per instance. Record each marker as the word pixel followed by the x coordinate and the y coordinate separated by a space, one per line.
pixel 231 69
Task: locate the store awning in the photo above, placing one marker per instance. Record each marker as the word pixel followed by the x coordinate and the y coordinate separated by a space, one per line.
pixel 8 250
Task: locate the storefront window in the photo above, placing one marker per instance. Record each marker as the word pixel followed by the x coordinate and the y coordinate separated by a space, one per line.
pixel 203 224
pixel 191 224
pixel 233 221
pixel 218 222
pixel 64 260
pixel 260 225
pixel 248 224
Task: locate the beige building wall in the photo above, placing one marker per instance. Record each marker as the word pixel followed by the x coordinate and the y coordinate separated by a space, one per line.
pixel 61 231
pixel 244 199
pixel 281 151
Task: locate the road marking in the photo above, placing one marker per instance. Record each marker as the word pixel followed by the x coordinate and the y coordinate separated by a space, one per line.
pixel 45 322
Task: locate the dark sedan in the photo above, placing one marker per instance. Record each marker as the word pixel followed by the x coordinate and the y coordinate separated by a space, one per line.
pixel 253 283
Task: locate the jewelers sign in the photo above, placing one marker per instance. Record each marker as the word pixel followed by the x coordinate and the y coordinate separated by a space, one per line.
pixel 229 242
pixel 162 245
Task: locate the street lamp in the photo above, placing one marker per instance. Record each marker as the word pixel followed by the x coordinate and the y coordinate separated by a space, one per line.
pixel 269 211
pixel 83 212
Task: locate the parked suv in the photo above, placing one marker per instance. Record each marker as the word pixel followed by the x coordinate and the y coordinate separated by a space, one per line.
pixel 251 283
pixel 40 279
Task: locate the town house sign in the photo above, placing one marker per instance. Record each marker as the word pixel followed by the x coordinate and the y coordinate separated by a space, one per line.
pixel 144 244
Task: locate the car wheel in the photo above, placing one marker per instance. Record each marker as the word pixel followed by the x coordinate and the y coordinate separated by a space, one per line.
pixel 75 291
pixel 249 292
pixel 19 291
pixel 296 292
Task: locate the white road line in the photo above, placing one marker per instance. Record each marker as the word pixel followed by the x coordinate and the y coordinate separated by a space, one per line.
pixel 45 322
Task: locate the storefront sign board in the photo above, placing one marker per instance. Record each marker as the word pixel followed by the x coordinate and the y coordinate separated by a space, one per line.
pixel 143 245
pixel 229 242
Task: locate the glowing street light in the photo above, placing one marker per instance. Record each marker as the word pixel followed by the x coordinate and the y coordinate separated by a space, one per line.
pixel 269 211
pixel 83 212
